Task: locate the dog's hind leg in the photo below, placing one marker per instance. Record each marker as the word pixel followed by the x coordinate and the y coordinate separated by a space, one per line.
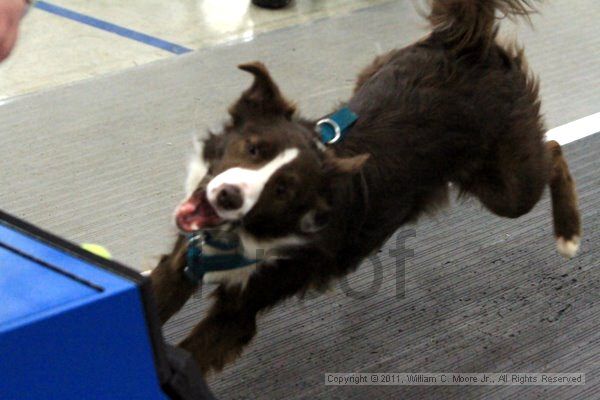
pixel 512 184
pixel 171 288
pixel 565 210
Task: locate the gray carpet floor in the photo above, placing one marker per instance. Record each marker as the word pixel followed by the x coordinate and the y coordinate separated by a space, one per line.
pixel 103 161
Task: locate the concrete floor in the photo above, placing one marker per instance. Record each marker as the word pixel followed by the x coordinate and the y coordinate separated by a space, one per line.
pixel 103 159
pixel 55 49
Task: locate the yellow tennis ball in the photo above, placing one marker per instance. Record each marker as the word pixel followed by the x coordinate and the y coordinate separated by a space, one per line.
pixel 97 250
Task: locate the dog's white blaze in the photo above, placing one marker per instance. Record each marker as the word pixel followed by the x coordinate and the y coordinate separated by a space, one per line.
pixel 568 248
pixel 251 183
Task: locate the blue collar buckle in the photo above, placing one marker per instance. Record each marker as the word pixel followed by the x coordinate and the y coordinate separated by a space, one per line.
pixel 333 128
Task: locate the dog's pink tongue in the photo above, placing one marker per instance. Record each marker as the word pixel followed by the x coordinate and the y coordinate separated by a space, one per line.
pixel 196 213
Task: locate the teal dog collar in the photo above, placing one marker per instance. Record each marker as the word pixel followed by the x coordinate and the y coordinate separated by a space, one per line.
pixel 228 257
pixel 333 128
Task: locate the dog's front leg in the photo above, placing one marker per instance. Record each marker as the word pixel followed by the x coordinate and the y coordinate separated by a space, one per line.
pixel 221 336
pixel 171 288
pixel 231 321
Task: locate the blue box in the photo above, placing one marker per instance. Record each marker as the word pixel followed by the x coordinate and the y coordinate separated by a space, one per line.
pixel 74 325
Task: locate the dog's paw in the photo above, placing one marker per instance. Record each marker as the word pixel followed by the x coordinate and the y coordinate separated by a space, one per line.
pixel 568 248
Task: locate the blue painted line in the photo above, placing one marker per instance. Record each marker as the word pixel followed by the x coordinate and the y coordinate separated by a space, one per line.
pixel 116 29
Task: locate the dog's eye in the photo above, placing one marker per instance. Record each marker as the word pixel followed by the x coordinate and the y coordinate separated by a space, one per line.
pixel 253 150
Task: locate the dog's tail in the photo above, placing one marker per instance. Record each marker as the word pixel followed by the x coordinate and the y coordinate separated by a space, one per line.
pixel 471 24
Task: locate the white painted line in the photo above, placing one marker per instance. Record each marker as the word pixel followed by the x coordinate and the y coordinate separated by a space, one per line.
pixel 575 130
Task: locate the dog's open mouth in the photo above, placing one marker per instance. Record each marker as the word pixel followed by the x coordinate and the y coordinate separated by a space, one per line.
pixel 196 213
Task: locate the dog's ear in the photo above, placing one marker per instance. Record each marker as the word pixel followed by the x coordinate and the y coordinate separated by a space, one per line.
pixel 336 166
pixel 317 218
pixel 263 98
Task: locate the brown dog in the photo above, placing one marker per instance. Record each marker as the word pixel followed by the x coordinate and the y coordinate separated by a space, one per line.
pixel 455 107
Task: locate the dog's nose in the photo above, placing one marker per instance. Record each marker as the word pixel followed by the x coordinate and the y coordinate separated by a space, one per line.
pixel 229 197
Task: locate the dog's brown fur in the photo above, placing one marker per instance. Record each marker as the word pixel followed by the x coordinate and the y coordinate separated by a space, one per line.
pixel 455 107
